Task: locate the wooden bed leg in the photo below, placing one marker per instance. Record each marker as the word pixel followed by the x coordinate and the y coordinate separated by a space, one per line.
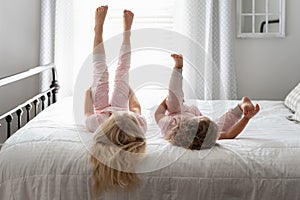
pixel 19 114
pixel 8 120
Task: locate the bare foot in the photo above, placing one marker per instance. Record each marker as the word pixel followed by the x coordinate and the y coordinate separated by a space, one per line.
pixel 249 110
pixel 127 20
pixel 100 15
pixel 178 60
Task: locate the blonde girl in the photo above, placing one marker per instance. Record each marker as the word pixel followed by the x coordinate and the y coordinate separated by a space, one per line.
pixel 118 125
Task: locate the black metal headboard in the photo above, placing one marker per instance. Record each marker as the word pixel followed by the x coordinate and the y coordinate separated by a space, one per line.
pixel 49 95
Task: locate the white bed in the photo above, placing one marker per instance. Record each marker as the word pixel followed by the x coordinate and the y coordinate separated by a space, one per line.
pixel 48 159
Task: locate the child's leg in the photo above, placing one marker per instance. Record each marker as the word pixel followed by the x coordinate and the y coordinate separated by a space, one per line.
pixel 175 94
pixel 230 118
pixel 99 87
pixel 120 96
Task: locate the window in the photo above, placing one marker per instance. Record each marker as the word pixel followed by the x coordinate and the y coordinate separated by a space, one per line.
pixel 147 14
pixel 261 18
pixel 74 33
pixel 145 62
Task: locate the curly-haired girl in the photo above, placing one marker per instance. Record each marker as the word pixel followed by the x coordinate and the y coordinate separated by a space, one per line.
pixel 185 126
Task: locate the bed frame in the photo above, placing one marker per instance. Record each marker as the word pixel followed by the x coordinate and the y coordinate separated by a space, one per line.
pixel 49 95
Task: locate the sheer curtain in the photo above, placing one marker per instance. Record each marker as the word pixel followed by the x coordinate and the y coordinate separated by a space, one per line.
pixel 207 23
pixel 74 25
pixel 47 41
pixel 210 24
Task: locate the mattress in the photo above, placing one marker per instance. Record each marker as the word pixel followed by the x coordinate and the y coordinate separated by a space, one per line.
pixel 48 159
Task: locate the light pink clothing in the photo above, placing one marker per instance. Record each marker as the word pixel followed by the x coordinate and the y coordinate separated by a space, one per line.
pixel 177 110
pixel 100 90
pixel 175 97
pixel 231 117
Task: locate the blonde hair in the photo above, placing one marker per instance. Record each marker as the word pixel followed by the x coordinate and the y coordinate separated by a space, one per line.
pixel 194 133
pixel 118 144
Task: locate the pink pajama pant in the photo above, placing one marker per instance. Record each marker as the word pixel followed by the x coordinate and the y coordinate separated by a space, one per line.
pixel 176 106
pixel 100 88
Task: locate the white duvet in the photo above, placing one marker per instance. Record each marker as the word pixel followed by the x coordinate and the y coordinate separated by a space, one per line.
pixel 48 159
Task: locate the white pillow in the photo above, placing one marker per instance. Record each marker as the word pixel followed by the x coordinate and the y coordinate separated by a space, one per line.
pixel 297 115
pixel 292 100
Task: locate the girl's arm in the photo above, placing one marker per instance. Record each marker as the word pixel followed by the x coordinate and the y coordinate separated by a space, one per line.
pixel 88 103
pixel 240 125
pixel 234 130
pixel 134 104
pixel 160 111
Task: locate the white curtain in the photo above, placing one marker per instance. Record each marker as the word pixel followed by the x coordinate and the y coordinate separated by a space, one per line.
pixel 64 45
pixel 46 41
pixel 74 25
pixel 210 24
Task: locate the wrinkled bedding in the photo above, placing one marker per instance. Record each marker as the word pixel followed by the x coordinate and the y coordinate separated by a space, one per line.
pixel 48 159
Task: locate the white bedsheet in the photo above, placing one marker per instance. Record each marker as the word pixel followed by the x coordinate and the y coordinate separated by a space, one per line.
pixel 48 159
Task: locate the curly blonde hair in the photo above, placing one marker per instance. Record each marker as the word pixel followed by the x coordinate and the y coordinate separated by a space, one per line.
pixel 118 144
pixel 194 133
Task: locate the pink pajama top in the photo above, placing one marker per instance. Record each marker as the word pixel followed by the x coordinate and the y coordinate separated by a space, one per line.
pixel 224 122
pixel 95 120
pixel 178 111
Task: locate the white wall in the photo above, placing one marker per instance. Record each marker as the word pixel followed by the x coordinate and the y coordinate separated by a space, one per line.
pixel 19 50
pixel 270 68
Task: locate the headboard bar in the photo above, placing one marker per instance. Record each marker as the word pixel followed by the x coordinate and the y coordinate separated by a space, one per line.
pixel 54 85
pixel 51 92
pixel 28 73
pixel 36 103
pixel 27 105
pixel 19 113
